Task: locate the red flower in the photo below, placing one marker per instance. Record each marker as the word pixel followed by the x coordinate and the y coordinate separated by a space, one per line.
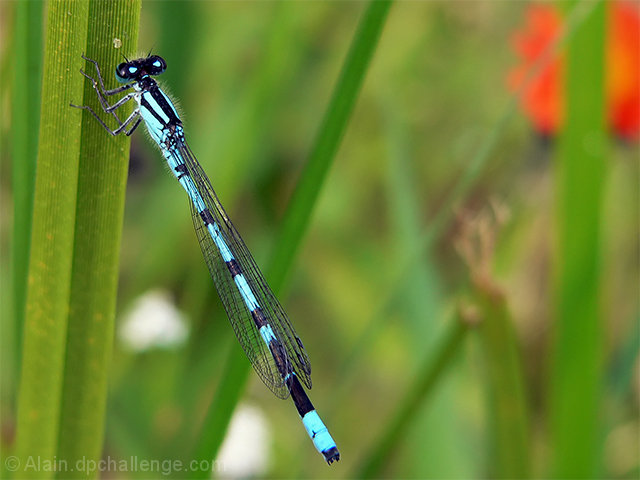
pixel 543 98
pixel 623 70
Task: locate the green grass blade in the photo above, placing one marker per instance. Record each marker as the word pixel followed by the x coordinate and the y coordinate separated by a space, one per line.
pixel 432 443
pixel 576 379
pixel 101 192
pixel 425 381
pixel 27 85
pixel 299 212
pixel 52 237
pixel 509 423
pixel 247 119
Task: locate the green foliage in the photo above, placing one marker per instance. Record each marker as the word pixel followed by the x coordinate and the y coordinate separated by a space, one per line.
pixel 327 141
pixel 54 212
pixel 577 366
pixel 510 448
pixel 77 218
pixel 424 384
pixel 101 181
pixel 348 143
pixel 26 107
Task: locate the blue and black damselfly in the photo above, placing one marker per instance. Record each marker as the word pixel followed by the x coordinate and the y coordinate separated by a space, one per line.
pixel 260 323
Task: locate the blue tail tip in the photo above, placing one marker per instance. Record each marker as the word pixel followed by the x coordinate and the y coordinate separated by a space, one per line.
pixel 331 455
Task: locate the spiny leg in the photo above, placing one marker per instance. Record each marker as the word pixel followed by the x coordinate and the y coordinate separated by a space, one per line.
pixel 135 125
pixel 135 114
pixel 102 91
pixel 103 101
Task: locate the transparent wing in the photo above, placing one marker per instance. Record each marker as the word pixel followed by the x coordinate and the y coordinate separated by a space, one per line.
pixel 238 313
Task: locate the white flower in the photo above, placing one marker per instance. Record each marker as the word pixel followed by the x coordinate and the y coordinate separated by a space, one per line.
pixel 153 322
pixel 245 450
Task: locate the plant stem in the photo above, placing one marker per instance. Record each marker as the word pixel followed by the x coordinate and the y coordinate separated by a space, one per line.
pixel 576 379
pixel 423 386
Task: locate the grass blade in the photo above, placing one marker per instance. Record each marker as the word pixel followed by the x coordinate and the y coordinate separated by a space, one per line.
pixel 27 81
pixel 101 192
pixel 334 124
pixel 52 237
pixel 432 442
pixel 425 381
pixel 576 379
pixel 509 423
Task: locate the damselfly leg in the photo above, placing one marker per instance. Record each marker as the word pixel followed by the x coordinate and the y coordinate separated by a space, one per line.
pixel 101 91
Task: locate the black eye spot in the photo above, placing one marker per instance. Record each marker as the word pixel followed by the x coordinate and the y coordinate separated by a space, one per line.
pixel 156 65
pixel 123 72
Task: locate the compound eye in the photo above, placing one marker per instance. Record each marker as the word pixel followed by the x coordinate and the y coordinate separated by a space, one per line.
pixel 126 72
pixel 156 65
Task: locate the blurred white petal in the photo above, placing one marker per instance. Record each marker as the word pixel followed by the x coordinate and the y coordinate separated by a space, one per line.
pixel 245 450
pixel 153 322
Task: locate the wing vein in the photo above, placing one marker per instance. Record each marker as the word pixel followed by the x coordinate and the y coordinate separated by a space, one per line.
pixel 238 313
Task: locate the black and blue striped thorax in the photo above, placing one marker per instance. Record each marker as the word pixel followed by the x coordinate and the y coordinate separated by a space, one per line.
pixel 159 114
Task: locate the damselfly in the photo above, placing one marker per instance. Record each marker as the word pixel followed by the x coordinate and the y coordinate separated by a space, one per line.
pixel 260 323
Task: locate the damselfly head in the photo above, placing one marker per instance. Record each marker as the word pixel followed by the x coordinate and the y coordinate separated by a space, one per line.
pixel 134 70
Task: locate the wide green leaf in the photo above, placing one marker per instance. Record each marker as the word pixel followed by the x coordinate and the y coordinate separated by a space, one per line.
pixel 52 238
pixel 102 178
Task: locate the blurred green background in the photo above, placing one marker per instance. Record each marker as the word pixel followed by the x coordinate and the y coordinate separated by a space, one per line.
pixel 443 208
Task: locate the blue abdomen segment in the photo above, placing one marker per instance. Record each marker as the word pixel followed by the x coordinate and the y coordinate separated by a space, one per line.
pixel 314 426
pixel 247 295
pixel 267 334
pixel 320 436
pixel 214 230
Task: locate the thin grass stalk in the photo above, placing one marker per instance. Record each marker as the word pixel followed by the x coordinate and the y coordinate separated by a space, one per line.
pixel 430 373
pixel 509 442
pixel 432 443
pixel 577 357
pixel 27 86
pixel 101 192
pixel 52 237
pixel 333 127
